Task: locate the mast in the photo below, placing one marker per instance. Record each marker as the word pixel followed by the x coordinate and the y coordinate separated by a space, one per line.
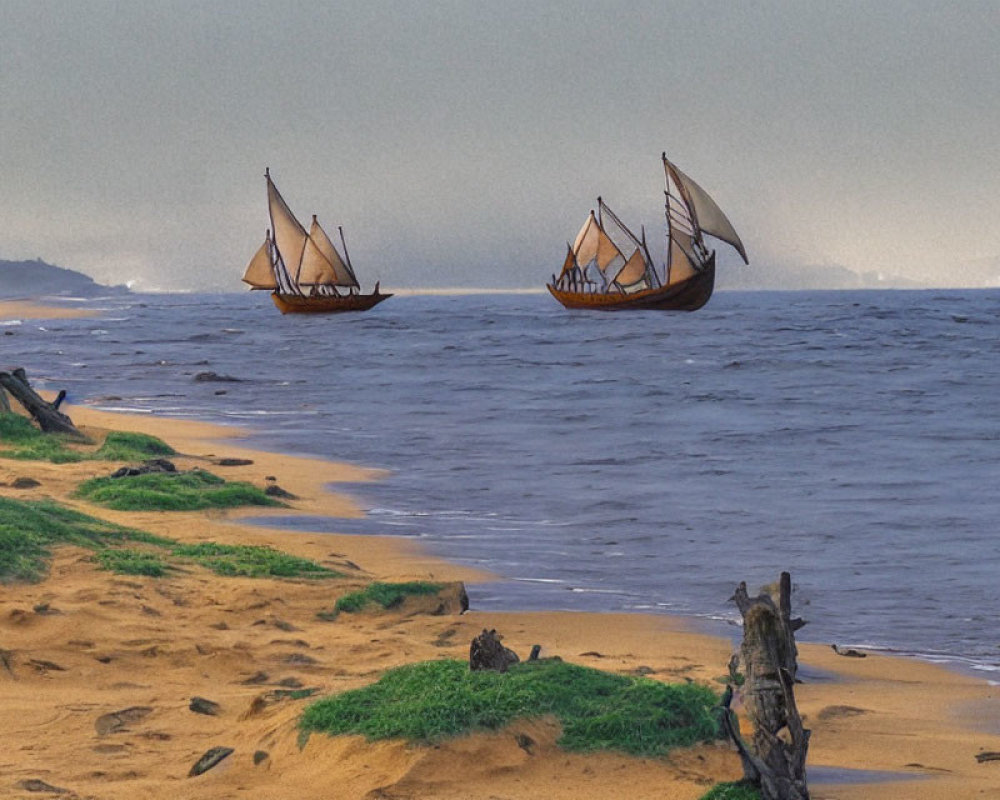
pixel 691 244
pixel 670 250
pixel 652 277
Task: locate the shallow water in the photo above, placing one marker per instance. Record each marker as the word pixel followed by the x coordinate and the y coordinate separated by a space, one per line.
pixel 642 461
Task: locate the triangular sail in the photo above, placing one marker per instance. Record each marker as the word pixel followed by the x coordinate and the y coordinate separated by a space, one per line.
pixel 289 235
pixel 259 273
pixel 315 269
pixel 570 262
pixel 587 240
pixel 594 245
pixel 685 249
pixel 343 275
pixel 633 271
pixel 608 254
pixel 709 216
pixel 680 259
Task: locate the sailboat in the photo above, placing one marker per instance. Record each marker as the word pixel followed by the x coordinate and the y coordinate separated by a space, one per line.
pixel 609 268
pixel 303 270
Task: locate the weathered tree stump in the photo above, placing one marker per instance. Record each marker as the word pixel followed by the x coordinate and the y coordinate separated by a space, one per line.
pixel 48 416
pixel 486 652
pixel 775 760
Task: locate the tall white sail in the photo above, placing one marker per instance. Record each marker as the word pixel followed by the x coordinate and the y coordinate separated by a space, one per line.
pixel 259 273
pixel 586 242
pixel 343 274
pixel 708 215
pixel 289 235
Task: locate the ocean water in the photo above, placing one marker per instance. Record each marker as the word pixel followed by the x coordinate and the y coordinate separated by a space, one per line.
pixel 621 462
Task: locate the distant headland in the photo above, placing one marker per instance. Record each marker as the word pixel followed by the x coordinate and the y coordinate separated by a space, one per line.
pixel 32 279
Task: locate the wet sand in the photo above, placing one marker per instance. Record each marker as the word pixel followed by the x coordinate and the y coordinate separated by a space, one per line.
pixel 85 644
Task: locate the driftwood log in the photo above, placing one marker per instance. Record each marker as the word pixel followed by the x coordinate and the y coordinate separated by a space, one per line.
pixel 48 416
pixel 775 760
pixel 487 652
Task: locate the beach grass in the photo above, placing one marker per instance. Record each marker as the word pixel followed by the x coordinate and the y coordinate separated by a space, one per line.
pixel 172 491
pixel 127 561
pixel 737 790
pixel 28 443
pixel 386 595
pixel 251 561
pixel 30 528
pixel 17 429
pixel 128 446
pixel 435 700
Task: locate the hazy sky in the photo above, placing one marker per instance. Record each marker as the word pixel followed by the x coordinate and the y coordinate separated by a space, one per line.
pixel 462 143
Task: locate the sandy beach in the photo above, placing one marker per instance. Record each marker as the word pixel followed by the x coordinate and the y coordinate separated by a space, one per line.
pixel 30 309
pixel 84 644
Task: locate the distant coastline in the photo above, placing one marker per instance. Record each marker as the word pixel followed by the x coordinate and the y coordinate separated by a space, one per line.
pixel 24 280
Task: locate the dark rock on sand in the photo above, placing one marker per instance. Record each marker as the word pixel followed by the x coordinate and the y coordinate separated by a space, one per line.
pixel 24 483
pixel 210 759
pixel 118 721
pixel 199 705
pixel 153 465
pixel 233 462
pixel 35 785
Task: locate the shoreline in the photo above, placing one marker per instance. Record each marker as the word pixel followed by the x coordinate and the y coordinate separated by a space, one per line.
pixel 883 713
pixel 27 308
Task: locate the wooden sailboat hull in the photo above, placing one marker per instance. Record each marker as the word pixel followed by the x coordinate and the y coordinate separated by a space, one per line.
pixel 689 295
pixel 326 304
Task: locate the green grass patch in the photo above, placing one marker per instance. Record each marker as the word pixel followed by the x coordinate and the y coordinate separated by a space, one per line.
pixel 732 791
pixel 132 562
pixel 387 595
pixel 30 528
pixel 251 561
pixel 122 446
pixel 16 429
pixel 31 444
pixel 434 700
pixel 172 491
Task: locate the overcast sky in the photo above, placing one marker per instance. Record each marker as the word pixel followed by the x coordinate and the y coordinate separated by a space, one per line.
pixel 462 143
